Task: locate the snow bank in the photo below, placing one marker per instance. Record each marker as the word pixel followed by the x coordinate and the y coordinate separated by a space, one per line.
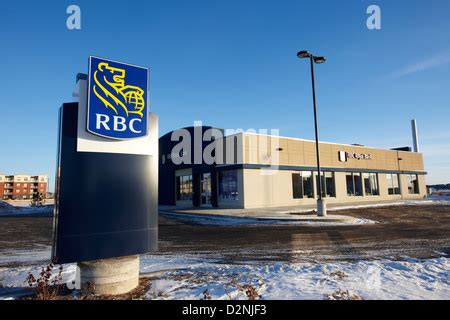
pixel 189 276
pixel 6 209
pixel 40 254
pixel 384 279
pixel 430 201
pixel 16 277
pixel 439 197
pixel 219 220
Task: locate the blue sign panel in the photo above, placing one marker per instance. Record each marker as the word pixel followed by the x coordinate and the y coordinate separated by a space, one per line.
pixel 117 99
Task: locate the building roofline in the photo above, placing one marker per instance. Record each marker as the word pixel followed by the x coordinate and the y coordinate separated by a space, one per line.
pixel 313 141
pixel 289 138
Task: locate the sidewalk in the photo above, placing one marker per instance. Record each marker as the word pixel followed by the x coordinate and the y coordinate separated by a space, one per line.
pixel 292 213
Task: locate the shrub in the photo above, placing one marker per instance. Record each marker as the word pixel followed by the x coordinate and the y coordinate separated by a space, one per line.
pixel 46 286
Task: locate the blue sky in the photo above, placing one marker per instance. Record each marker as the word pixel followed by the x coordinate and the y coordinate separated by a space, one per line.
pixel 232 64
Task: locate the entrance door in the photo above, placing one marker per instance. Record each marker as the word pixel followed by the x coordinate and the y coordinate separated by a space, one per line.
pixel 205 188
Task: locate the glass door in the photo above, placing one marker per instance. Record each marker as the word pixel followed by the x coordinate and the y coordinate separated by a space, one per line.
pixel 205 187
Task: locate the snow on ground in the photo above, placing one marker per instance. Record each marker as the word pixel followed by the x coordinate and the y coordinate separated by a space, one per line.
pixel 15 257
pixel 26 203
pixel 16 277
pixel 284 217
pixel 382 279
pixel 23 207
pixel 430 200
pixel 188 276
pixel 221 220
pixel 437 201
pixel 7 209
pixel 439 197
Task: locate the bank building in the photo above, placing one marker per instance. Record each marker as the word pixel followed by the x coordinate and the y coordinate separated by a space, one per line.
pixel 244 174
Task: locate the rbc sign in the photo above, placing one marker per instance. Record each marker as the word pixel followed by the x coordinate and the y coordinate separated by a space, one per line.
pixel 117 99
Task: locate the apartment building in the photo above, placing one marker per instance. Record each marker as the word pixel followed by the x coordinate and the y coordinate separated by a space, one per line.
pixel 19 187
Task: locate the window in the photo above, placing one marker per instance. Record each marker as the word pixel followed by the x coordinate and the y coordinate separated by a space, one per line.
pixel 413 184
pixel 228 186
pixel 354 184
pixel 392 183
pixel 184 187
pixel 307 183
pixel 297 186
pixel 328 189
pixel 371 184
pixel 302 185
pixel 329 184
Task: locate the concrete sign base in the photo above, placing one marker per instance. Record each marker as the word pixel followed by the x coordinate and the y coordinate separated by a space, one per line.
pixel 110 276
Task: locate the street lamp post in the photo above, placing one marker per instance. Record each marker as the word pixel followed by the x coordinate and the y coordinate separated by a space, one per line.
pixel 321 205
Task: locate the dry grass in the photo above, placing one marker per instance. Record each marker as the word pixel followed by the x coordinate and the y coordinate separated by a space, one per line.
pixel 342 295
pixel 338 275
pixel 87 293
pixel 46 286
pixel 251 291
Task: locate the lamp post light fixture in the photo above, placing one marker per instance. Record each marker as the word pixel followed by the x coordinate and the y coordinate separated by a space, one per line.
pixel 321 205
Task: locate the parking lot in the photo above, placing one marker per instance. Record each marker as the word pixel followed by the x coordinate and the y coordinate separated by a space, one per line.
pixel 419 231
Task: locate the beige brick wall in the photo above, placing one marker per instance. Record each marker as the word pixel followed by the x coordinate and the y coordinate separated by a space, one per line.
pixel 276 189
pixel 265 190
pixel 258 149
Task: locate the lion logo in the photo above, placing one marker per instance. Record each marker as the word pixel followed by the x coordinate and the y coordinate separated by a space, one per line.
pixel 109 86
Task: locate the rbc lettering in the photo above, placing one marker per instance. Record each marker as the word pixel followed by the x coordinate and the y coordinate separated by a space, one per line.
pixel 118 123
